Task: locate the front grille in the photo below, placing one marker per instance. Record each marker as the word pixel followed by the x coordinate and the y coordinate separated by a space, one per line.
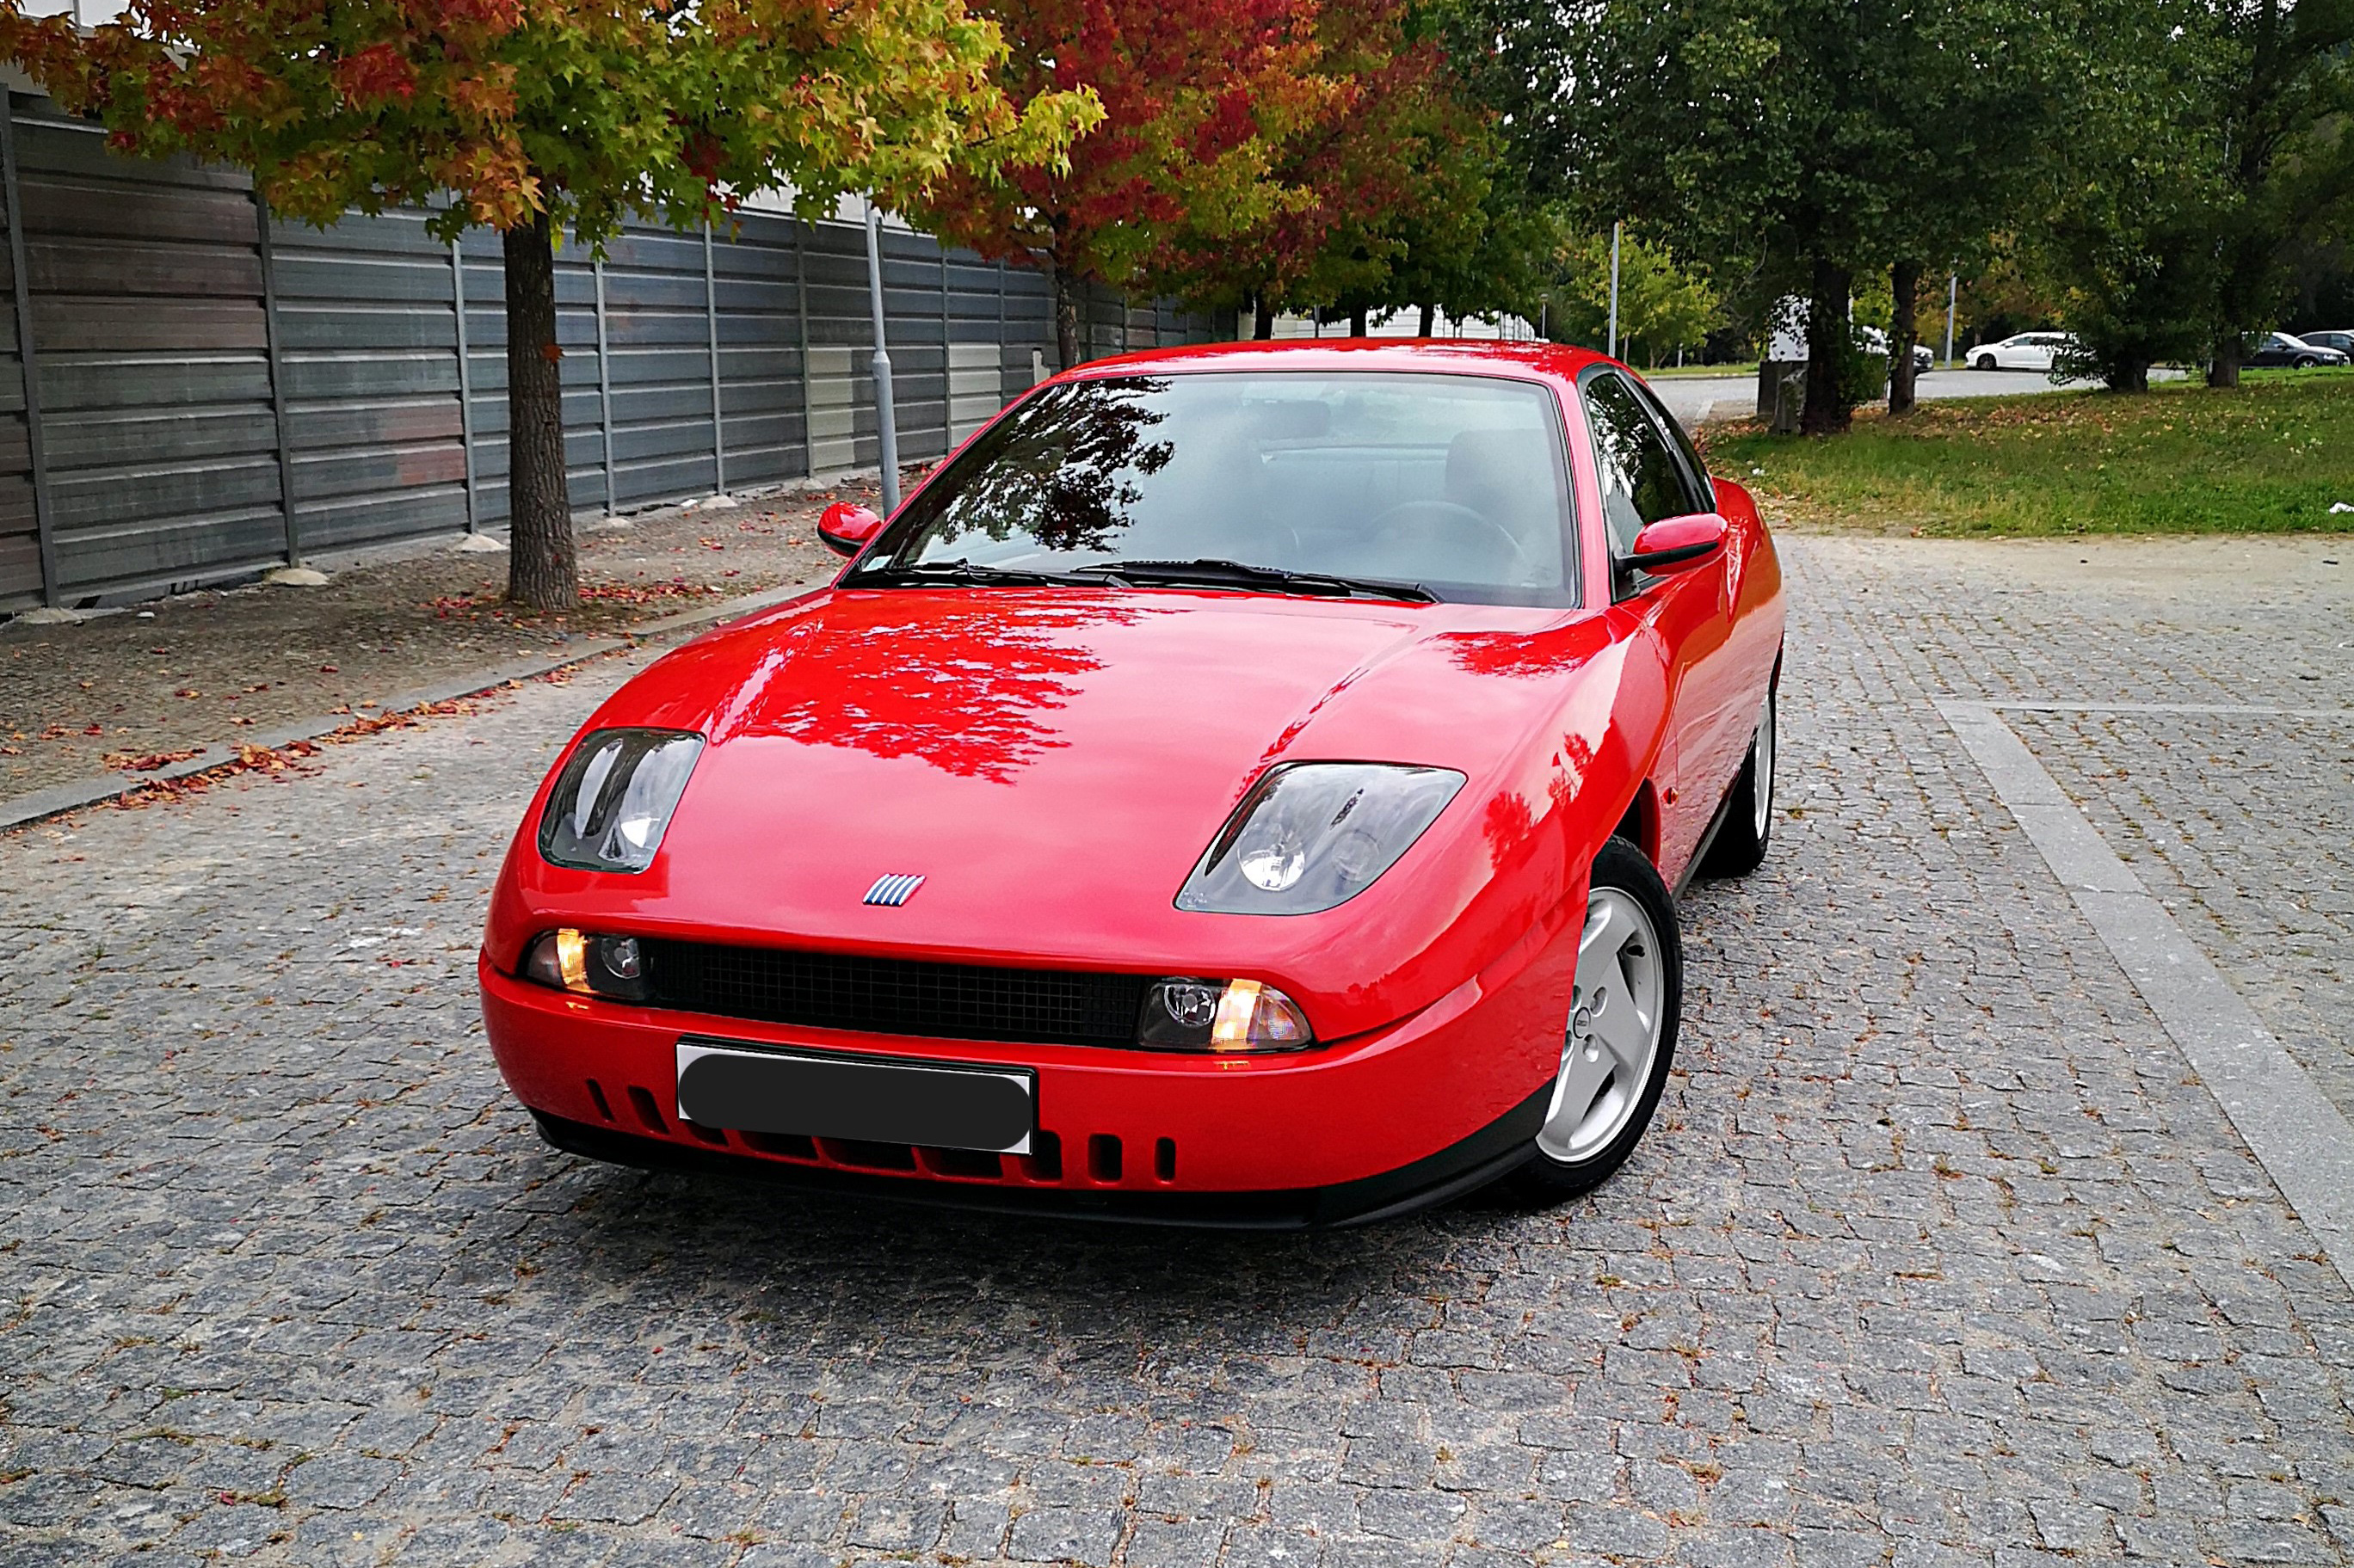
pixel 895 996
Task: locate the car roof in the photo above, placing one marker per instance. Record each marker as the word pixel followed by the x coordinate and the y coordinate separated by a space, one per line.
pixel 1471 356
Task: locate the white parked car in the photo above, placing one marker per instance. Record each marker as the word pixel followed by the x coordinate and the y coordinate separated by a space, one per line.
pixel 2024 351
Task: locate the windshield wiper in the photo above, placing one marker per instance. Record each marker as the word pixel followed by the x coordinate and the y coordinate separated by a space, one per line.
pixel 1209 572
pixel 917 573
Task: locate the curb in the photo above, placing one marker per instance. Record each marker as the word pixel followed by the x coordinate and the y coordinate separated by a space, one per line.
pixel 74 796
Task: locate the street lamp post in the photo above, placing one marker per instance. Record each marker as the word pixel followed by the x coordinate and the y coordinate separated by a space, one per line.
pixel 1952 290
pixel 886 427
pixel 1614 288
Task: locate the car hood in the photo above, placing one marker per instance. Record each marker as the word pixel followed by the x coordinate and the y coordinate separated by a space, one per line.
pixel 1052 763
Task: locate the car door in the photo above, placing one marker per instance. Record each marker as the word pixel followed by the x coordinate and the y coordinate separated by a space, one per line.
pixel 1687 614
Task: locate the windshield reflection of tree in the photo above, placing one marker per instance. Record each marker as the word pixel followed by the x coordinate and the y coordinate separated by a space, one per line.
pixel 1058 472
pixel 967 683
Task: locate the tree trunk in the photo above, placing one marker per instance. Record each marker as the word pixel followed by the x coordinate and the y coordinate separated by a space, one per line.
pixel 1429 314
pixel 2223 370
pixel 1826 411
pixel 1905 280
pixel 2129 376
pixel 543 568
pixel 1067 316
pixel 1357 322
pixel 1263 318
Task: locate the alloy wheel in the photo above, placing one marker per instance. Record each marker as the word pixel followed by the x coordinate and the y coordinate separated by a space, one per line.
pixel 1613 1035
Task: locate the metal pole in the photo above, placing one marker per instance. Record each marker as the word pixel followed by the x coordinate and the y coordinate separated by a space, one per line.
pixel 465 390
pixel 44 525
pixel 277 378
pixel 802 232
pixel 885 430
pixel 1613 288
pixel 711 330
pixel 604 382
pixel 1952 289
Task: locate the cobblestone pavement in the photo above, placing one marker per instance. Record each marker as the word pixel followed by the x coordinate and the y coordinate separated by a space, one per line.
pixel 1935 1255
pixel 2242 823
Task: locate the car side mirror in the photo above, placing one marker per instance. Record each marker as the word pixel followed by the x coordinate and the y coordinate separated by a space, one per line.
pixel 846 529
pixel 1675 543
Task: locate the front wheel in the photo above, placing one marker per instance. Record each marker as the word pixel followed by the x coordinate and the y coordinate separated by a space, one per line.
pixel 1986 361
pixel 1739 847
pixel 2306 362
pixel 1620 1036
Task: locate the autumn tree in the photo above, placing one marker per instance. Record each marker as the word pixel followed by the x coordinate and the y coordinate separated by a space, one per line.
pixel 1383 189
pixel 536 117
pixel 1198 96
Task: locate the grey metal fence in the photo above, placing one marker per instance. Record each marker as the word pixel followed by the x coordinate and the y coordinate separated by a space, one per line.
pixel 191 389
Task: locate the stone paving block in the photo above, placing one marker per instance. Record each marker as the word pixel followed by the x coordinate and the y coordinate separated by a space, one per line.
pixel 1936 1252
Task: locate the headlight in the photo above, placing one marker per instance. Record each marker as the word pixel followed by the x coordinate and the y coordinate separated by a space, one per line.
pixel 1211 1015
pixel 1310 835
pixel 592 965
pixel 614 798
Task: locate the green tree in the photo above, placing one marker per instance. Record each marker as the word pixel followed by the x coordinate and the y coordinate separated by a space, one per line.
pixel 2287 89
pixel 543 115
pixel 1806 140
pixel 1664 305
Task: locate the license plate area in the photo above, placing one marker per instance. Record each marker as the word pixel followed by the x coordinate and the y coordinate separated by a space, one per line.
pixel 873 1099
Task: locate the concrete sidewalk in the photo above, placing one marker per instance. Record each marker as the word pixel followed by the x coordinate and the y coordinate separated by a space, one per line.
pixel 179 683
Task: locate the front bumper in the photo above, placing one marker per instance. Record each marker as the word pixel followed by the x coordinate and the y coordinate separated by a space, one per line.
pixel 1394 1119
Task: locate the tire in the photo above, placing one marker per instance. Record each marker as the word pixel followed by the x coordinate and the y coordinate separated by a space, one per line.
pixel 1739 847
pixel 1985 362
pixel 2306 362
pixel 1620 1037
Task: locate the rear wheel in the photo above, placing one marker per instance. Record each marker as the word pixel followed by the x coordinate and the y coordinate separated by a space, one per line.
pixel 1620 1035
pixel 1739 847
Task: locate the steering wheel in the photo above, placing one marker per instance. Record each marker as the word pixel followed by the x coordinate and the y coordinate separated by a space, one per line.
pixel 1391 526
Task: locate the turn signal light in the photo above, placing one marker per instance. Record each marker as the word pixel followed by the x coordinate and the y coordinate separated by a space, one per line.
pixel 1234 1016
pixel 592 965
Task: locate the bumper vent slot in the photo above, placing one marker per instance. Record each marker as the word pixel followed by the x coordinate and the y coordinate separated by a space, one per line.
pixel 897 996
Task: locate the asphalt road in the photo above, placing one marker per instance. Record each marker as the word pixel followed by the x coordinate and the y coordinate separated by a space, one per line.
pixel 1939 1253
pixel 1695 398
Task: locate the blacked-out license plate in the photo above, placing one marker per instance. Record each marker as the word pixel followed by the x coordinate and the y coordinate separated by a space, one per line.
pixel 937 1105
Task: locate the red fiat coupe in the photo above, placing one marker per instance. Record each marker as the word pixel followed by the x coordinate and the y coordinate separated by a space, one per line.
pixel 1242 785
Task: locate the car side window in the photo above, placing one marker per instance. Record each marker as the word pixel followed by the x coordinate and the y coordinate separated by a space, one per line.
pixel 1641 480
pixel 1699 493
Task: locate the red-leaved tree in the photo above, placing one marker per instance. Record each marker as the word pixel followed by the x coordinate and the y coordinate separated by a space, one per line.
pixel 1201 99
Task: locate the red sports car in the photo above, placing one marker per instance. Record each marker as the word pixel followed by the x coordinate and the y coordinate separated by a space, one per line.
pixel 1242 785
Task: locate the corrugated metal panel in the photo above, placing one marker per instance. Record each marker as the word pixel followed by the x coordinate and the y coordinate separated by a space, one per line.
pixel 755 275
pixel 154 371
pixel 21 576
pixel 368 338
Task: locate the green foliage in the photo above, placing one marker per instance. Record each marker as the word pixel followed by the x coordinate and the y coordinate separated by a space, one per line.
pixel 2272 457
pixel 1664 305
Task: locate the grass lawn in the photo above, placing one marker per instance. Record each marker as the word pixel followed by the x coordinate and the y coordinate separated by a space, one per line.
pixel 2269 458
pixel 1670 372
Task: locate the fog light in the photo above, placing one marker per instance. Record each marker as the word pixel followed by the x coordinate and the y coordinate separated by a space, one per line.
pixel 1183 1015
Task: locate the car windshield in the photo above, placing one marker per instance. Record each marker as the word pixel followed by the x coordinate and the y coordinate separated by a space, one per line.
pixel 1450 484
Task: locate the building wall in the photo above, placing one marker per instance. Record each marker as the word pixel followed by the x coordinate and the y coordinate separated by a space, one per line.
pixel 209 391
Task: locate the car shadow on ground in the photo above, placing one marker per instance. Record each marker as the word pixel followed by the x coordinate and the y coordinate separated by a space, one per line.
pixel 679 1246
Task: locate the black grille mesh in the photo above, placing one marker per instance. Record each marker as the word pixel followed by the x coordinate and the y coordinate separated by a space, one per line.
pixel 897 996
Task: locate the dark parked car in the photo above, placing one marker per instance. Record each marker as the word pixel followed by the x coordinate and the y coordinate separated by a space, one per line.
pixel 2277 348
